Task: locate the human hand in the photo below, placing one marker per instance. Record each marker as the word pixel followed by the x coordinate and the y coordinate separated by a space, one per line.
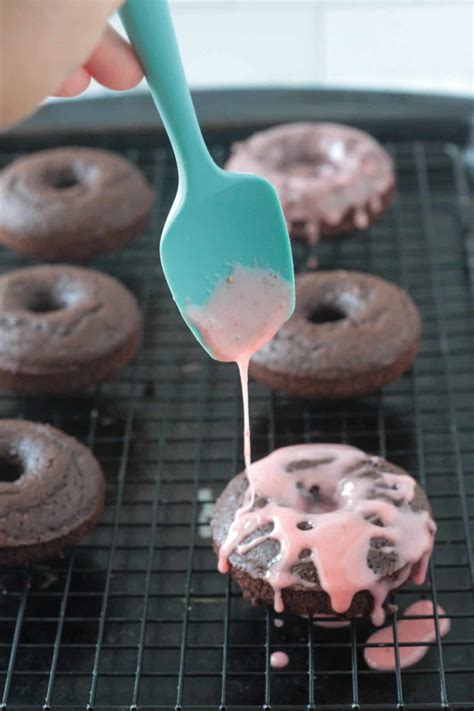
pixel 54 47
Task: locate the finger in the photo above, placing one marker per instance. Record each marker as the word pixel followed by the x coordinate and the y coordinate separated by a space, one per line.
pixel 75 84
pixel 114 64
pixel 42 42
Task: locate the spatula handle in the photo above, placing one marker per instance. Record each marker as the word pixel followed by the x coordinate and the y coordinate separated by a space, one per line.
pixel 150 28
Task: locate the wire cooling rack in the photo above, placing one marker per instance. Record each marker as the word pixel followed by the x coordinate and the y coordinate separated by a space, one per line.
pixel 137 617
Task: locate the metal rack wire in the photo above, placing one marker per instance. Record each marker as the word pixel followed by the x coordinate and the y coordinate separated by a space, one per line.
pixel 137 617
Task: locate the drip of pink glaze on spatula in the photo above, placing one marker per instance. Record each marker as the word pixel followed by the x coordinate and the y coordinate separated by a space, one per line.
pixel 243 366
pixel 279 660
pixel 242 314
pixel 336 527
pixel 417 632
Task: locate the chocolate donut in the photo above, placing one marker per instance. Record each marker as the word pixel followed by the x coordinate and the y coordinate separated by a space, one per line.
pixel 52 491
pixel 350 334
pixel 64 329
pixel 323 529
pixel 72 204
pixel 331 179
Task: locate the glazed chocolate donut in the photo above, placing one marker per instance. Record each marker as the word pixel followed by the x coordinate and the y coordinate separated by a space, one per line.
pixel 350 334
pixel 52 491
pixel 323 529
pixel 64 329
pixel 331 179
pixel 72 204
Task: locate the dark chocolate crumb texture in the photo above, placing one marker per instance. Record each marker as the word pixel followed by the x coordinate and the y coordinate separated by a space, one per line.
pixel 350 334
pixel 64 328
pixel 52 491
pixel 72 203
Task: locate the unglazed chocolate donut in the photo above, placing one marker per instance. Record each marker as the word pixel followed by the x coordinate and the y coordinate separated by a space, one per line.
pixel 64 329
pixel 331 179
pixel 72 204
pixel 323 529
pixel 350 334
pixel 51 493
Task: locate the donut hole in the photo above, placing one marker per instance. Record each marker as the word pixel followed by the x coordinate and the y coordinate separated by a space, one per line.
pixel 44 301
pixel 317 166
pixel 63 177
pixel 11 468
pixel 301 464
pixel 66 176
pixel 313 500
pixel 300 160
pixel 326 313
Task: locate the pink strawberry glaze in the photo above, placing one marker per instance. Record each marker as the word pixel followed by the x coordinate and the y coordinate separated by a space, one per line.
pixel 340 533
pixel 321 171
pixel 279 660
pixel 408 632
pixel 242 314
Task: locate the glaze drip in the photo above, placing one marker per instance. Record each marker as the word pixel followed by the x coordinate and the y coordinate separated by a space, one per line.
pixel 416 632
pixel 350 517
pixel 279 660
pixel 243 313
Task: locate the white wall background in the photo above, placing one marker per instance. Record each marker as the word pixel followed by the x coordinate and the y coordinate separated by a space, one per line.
pixel 422 45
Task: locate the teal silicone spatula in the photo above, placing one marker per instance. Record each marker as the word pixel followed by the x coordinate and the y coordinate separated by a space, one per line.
pixel 218 219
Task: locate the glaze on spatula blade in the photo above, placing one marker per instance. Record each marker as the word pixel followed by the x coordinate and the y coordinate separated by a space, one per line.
pixel 238 223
